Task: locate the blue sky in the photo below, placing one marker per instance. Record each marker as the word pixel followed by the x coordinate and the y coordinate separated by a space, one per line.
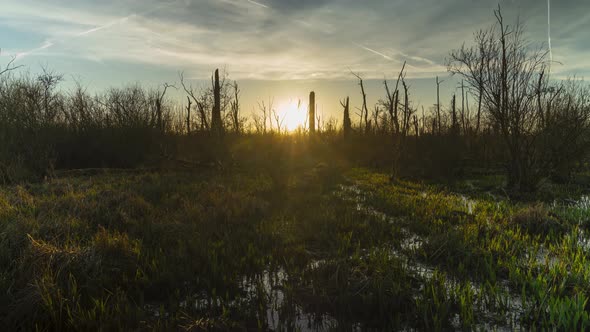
pixel 280 48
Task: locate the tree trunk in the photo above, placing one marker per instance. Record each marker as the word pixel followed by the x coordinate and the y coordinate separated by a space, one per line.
pixel 188 116
pixel 346 123
pixel 312 112
pixel 216 124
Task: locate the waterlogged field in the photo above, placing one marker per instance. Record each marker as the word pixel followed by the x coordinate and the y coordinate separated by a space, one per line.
pixel 315 248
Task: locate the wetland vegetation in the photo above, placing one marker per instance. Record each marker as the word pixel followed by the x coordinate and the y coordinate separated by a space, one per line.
pixel 121 212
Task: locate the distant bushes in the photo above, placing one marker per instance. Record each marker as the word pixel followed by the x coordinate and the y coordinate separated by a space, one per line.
pixel 43 128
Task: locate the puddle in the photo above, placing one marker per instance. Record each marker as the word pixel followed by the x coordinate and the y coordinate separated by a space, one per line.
pixel 412 242
pixel 281 314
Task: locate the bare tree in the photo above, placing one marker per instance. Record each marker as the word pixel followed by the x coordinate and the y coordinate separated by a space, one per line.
pixel 346 123
pixel 506 72
pixel 235 109
pixel 188 115
pixel 278 120
pixel 49 81
pixel 392 101
pixel 159 101
pixel 407 110
pixel 216 124
pixel 364 110
pixel 202 101
pixel 438 119
pixel 9 66
pixel 312 113
pixel 263 116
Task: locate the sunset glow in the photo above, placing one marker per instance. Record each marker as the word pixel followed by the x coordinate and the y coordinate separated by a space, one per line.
pixel 293 114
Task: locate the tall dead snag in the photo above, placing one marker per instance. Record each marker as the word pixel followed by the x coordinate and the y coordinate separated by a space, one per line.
pixel 346 123
pixel 202 102
pixel 390 106
pixel 407 111
pixel 479 97
pixel 464 117
pixel 438 83
pixel 159 102
pixel 397 139
pixel 216 124
pixel 393 100
pixel 364 110
pixel 454 121
pixel 188 115
pixel 312 112
pixel 235 109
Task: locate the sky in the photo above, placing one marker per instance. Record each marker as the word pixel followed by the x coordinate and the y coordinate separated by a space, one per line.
pixel 279 49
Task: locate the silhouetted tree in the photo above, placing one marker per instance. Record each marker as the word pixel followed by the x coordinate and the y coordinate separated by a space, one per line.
pixel 312 113
pixel 216 124
pixel 510 78
pixel 364 109
pixel 188 115
pixel 346 123
pixel 235 109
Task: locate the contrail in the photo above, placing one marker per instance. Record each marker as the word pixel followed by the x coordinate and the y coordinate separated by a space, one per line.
pixel 46 44
pixel 108 25
pixel 257 4
pixel 51 43
pixel 549 29
pixel 373 51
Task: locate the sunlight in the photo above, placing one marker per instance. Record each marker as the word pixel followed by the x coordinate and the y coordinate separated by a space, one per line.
pixel 293 114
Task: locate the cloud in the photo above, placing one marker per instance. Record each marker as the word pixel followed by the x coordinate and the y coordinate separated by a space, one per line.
pixel 258 4
pixel 279 39
pixel 374 52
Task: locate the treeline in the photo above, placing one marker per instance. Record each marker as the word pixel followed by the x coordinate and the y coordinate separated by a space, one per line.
pixel 43 128
pixel 510 115
pixel 520 120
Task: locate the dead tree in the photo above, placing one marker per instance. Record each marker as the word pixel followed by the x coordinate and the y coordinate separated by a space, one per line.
pixel 10 66
pixel 49 81
pixel 159 102
pixel 235 109
pixel 438 83
pixel 396 100
pixel 216 124
pixel 278 120
pixel 464 117
pixel 392 101
pixel 454 121
pixel 188 115
pixel 423 122
pixel 364 110
pixel 504 70
pixel 312 112
pixel 346 123
pixel 407 110
pixel 201 101
pixel 261 119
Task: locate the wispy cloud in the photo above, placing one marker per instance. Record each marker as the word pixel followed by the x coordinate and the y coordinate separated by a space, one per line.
pixel 375 52
pixel 290 40
pixel 258 4
pixel 105 26
pixel 47 44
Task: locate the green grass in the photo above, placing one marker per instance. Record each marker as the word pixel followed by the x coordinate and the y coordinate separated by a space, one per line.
pixel 303 240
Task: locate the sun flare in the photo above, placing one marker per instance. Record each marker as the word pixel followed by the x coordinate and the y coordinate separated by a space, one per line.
pixel 293 114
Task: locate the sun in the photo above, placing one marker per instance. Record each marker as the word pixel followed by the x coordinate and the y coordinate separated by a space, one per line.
pixel 293 114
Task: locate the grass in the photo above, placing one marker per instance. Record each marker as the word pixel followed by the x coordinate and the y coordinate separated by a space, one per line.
pixel 290 241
